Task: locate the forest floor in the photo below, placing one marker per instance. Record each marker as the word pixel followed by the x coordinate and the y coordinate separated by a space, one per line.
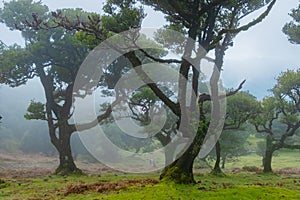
pixel 30 177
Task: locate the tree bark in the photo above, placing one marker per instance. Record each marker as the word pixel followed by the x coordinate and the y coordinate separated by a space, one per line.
pixel 181 170
pixel 62 140
pixel 267 160
pixel 223 162
pixel 63 145
pixel 217 169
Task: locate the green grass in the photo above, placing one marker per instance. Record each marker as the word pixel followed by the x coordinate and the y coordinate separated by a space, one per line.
pixel 232 186
pixel 253 140
pixel 284 159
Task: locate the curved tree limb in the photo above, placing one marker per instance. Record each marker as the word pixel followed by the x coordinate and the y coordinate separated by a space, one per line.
pixel 247 26
pixel 207 97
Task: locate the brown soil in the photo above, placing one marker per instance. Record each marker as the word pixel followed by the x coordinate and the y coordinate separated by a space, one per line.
pixel 106 187
pixel 20 166
pixel 35 165
pixel 288 171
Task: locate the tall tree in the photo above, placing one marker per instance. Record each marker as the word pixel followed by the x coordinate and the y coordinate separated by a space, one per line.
pixel 241 107
pixel 206 23
pixel 233 144
pixel 280 110
pixel 54 56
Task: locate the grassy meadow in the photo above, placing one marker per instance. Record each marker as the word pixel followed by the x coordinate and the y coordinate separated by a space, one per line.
pixel 239 182
pixel 243 185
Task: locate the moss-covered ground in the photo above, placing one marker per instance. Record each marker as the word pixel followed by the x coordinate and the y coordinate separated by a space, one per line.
pixel 242 185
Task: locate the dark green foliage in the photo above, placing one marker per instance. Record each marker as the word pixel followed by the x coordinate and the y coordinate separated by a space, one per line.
pixel 233 144
pixel 36 110
pixel 15 66
pixel 240 108
pixel 292 29
pixel 121 16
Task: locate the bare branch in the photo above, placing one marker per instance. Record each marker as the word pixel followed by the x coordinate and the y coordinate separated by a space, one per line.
pixel 100 118
pixel 207 97
pixel 233 92
pixel 168 61
pixel 247 26
pixel 250 24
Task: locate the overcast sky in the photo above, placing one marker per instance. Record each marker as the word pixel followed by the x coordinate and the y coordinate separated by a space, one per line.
pixel 258 55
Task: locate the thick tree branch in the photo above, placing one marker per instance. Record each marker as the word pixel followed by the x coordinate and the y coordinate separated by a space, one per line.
pixel 51 125
pixel 100 118
pixel 289 133
pixel 150 83
pixel 237 123
pixel 47 83
pixel 66 108
pixel 264 130
pixel 159 60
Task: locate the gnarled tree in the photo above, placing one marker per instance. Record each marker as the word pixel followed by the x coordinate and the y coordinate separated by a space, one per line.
pixel 283 110
pixel 54 56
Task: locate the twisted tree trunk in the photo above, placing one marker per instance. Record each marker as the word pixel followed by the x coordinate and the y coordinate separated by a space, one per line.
pixel 63 146
pixel 62 143
pixel 181 170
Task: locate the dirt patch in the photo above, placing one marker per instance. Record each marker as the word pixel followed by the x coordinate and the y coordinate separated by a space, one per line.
pixel 25 173
pixel 26 166
pixel 18 166
pixel 26 161
pixel 19 157
pixel 288 171
pixel 107 187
